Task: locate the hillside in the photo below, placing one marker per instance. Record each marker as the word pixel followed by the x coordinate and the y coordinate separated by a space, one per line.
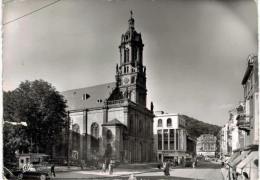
pixel 195 127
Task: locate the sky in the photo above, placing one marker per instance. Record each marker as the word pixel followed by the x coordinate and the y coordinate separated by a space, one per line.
pixel 195 51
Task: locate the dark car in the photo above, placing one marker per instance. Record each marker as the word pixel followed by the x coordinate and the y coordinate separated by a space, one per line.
pixel 9 175
pixel 32 175
pixel 188 162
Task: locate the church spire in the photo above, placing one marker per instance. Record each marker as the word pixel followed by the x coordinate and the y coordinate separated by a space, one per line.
pixel 131 21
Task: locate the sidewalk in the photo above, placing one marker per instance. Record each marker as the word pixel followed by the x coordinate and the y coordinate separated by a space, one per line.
pixel 66 168
pixel 224 172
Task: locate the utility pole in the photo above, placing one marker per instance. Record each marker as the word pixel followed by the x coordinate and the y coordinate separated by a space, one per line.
pixel 68 139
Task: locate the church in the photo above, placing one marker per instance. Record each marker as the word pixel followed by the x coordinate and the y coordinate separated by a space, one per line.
pixel 111 121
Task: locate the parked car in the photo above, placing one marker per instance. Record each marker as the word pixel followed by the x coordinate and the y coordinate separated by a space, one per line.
pixel 9 175
pixel 32 175
pixel 188 162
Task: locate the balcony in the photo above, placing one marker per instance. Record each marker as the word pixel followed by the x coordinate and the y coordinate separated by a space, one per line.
pixel 243 124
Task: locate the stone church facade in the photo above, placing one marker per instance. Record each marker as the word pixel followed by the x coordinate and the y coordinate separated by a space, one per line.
pixel 111 120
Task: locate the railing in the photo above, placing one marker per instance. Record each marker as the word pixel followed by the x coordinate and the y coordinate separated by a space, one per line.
pixel 243 124
pixel 117 102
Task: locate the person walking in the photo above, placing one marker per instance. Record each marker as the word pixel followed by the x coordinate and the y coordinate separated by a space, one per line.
pixel 110 168
pixel 104 167
pixel 53 170
pixel 132 177
pixel 166 168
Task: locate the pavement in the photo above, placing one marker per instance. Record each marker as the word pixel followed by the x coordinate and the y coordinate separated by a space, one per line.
pixel 205 170
pixel 66 168
pixel 224 172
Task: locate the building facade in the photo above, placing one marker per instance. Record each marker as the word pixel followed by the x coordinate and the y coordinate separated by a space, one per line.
pixel 170 137
pixel 248 122
pixel 111 121
pixel 248 119
pixel 206 145
pixel 225 143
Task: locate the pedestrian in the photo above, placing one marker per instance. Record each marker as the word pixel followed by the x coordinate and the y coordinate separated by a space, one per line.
pixel 110 168
pixel 104 167
pixel 53 170
pixel 167 169
pixel 132 177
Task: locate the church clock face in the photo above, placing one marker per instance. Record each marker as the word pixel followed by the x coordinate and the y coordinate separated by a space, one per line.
pixel 126 80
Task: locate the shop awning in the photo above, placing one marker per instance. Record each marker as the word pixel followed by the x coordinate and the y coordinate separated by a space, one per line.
pixel 238 159
pixel 247 162
pixel 233 156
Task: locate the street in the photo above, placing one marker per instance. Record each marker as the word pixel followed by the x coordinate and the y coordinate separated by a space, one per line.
pixel 204 170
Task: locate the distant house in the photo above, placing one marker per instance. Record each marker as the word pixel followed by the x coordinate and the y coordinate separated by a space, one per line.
pixel 206 145
pixel 170 137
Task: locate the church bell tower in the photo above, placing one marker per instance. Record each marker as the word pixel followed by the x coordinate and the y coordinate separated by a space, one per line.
pixel 130 73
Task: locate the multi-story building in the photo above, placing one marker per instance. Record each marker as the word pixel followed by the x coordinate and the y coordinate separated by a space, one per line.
pixel 170 137
pixel 246 162
pixel 206 145
pixel 248 119
pixel 111 120
pixel 224 141
pixel 236 135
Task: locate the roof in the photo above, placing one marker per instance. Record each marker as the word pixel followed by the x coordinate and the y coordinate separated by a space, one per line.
pixel 252 61
pixel 114 122
pixel 166 114
pixel 88 97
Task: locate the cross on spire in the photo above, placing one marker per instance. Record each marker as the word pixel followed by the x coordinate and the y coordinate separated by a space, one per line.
pixel 131 14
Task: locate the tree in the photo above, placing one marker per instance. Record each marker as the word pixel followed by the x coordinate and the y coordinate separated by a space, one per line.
pixel 43 109
pixel 14 138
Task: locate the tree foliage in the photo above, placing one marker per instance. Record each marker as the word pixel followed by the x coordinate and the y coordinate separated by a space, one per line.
pixel 43 109
pixel 195 127
pixel 14 139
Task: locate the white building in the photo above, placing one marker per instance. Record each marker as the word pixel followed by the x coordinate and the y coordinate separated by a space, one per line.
pixel 170 137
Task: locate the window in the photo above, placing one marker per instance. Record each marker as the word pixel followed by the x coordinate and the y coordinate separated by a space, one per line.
pixel 177 139
pixel 169 122
pixel 132 79
pixel 171 139
pixel 75 155
pixel 22 161
pixel 140 125
pixel 75 128
pixel 85 96
pixel 109 135
pixel 126 55
pixel 165 139
pixel 159 123
pixel 159 134
pixel 95 130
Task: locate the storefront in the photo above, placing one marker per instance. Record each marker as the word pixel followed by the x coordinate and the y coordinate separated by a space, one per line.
pixel 249 166
pixel 235 159
pixel 172 156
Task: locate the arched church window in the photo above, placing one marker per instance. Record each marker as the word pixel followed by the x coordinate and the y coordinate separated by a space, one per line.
pixel 159 123
pixel 169 122
pixel 126 55
pixel 75 128
pixel 132 79
pixel 95 130
pixel 140 125
pixel 109 135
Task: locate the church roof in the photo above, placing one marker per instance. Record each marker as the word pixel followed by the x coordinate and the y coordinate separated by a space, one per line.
pixel 113 122
pixel 88 97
